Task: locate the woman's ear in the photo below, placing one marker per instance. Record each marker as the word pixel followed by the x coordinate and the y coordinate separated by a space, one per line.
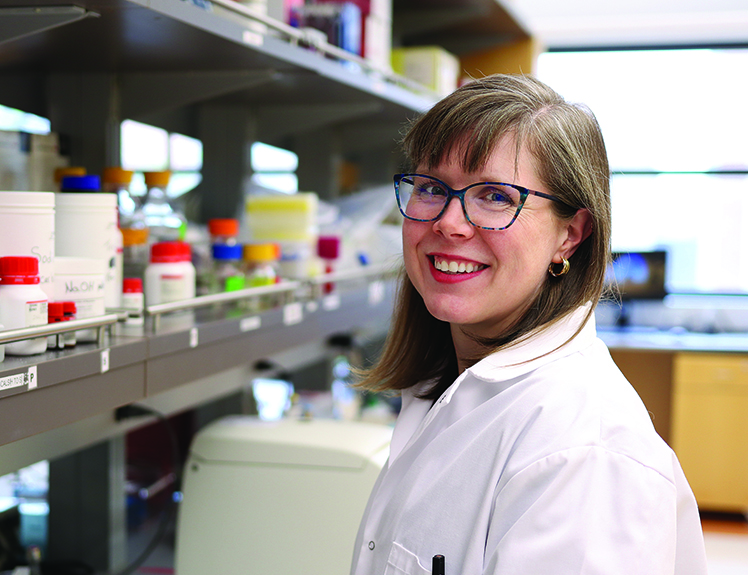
pixel 577 229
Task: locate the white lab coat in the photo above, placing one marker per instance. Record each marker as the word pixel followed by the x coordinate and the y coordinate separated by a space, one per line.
pixel 535 461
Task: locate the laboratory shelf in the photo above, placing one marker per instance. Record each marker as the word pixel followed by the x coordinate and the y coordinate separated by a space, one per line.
pixel 172 53
pixel 43 392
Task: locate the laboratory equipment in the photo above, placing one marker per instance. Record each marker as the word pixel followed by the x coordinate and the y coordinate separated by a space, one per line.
pixel 277 497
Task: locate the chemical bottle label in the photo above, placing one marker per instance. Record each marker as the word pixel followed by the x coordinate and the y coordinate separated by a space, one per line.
pixel 36 313
pixel 173 288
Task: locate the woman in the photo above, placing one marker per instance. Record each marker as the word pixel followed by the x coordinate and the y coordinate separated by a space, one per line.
pixel 520 447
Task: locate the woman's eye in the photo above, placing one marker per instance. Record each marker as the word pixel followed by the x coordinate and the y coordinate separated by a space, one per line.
pixel 431 190
pixel 496 197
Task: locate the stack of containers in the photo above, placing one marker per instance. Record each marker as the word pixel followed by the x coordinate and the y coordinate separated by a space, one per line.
pixel 291 222
pixel 86 227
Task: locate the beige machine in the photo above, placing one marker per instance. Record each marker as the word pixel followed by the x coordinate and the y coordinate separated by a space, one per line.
pixel 276 498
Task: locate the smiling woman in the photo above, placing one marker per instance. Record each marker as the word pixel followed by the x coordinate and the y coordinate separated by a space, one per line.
pixel 520 447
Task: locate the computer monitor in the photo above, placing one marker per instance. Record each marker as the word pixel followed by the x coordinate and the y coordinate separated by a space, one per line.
pixel 639 275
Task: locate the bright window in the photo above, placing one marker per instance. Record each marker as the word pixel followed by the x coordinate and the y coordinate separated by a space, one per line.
pixel 674 123
pixel 274 168
pixel 146 148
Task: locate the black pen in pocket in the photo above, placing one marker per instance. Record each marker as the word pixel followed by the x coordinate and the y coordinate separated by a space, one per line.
pixel 437 565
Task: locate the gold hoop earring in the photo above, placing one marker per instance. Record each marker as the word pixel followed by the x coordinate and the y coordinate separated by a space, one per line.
pixel 565 265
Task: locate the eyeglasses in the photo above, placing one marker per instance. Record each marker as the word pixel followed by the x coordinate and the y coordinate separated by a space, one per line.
pixel 486 205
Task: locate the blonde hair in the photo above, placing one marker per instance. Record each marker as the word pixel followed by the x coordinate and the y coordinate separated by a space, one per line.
pixel 566 142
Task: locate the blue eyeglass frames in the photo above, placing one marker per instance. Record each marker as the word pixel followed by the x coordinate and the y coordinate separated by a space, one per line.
pixel 486 205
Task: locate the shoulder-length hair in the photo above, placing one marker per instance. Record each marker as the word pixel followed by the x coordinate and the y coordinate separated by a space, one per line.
pixel 567 145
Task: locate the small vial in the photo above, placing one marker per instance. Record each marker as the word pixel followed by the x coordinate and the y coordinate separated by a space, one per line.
pixel 55 314
pixel 22 302
pixel 70 310
pixel 328 249
pixel 228 274
pixel 261 264
pixel 223 231
pixel 133 300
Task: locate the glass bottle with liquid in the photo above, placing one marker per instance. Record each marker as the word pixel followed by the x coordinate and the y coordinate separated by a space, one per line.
pixel 165 222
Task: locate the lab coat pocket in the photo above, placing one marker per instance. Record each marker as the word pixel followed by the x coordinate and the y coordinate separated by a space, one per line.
pixel 403 562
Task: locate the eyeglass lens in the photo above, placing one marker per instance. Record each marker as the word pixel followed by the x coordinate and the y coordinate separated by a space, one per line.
pixel 489 205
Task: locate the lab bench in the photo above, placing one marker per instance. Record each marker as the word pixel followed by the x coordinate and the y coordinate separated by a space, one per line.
pixel 695 387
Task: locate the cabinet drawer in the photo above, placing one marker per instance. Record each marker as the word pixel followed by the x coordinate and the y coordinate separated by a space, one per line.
pixel 725 371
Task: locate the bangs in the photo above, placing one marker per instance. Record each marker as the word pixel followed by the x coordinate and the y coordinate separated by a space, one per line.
pixel 458 133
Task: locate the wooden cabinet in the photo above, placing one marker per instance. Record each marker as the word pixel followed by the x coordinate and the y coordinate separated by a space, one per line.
pixel 699 404
pixel 710 427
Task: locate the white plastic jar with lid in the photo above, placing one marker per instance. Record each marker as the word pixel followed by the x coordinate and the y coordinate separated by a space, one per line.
pixel 27 226
pixel 23 303
pixel 86 227
pixel 170 276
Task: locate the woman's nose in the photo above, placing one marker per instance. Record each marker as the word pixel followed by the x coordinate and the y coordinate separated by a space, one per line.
pixel 453 221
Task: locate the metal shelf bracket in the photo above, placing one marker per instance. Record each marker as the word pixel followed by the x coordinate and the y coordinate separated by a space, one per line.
pixel 19 22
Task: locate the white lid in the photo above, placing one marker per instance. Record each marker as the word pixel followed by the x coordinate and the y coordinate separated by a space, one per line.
pixel 33 199
pixel 320 442
pixel 79 266
pixel 86 200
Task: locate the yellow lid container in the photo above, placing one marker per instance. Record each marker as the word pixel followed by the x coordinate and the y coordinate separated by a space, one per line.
pixel 68 171
pixel 261 252
pixel 115 175
pixel 157 179
pixel 134 236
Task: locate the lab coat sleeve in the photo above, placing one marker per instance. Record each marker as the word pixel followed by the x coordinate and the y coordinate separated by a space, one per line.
pixel 584 510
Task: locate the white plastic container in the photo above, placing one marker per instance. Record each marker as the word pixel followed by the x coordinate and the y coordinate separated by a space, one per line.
pixel 23 303
pixel 86 227
pixel 81 280
pixel 170 276
pixel 27 226
pixel 2 347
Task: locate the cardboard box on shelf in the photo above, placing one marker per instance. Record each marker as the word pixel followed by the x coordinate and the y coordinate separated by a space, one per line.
pixel 431 66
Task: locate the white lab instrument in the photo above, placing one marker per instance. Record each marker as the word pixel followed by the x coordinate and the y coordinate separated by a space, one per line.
pixel 277 498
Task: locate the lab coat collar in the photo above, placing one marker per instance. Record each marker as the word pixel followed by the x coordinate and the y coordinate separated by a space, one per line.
pixel 540 348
